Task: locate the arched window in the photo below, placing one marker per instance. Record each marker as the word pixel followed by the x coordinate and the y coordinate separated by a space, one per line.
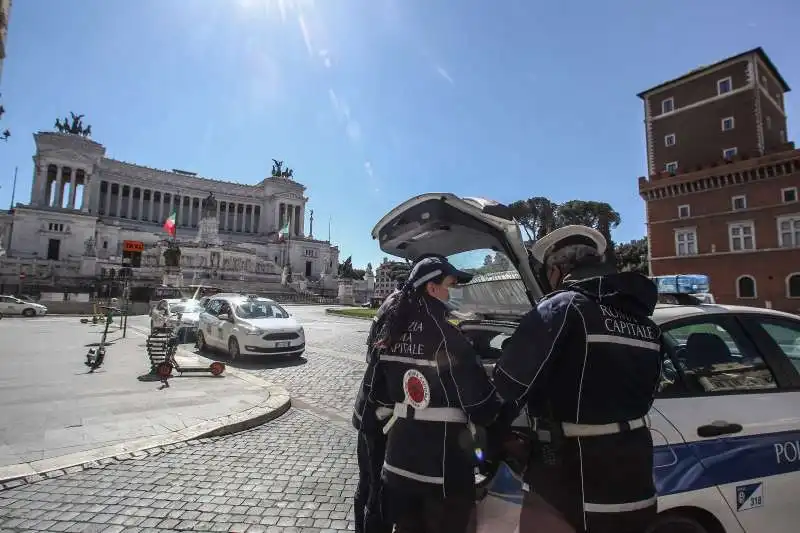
pixel 793 285
pixel 746 287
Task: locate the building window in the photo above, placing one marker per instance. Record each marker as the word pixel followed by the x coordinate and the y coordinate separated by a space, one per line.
pixel 742 236
pixel 728 123
pixel 686 242
pixel 724 85
pixel 789 231
pixel 684 211
pixel 669 140
pixel 739 202
pixel 746 287
pixel 672 167
pixel 793 285
pixel 729 153
pixel 789 195
pixel 668 105
pixel 768 121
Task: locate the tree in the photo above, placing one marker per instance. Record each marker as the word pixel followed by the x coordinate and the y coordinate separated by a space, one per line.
pixel 632 256
pixel 541 216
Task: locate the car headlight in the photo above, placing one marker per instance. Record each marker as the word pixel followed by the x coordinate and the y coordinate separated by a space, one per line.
pixel 252 331
pixel 301 331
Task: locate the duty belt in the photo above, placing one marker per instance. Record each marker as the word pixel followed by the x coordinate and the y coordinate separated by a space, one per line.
pixel 569 429
pixel 429 414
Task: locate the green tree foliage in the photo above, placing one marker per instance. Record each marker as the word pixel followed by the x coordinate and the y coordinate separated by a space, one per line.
pixel 540 216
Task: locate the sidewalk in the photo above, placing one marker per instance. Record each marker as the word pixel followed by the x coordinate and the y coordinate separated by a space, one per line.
pixel 56 416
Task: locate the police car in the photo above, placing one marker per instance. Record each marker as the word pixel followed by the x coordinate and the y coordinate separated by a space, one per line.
pixel 726 421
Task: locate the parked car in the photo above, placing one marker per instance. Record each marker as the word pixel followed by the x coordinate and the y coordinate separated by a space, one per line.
pixel 249 325
pixel 180 313
pixel 726 421
pixel 11 305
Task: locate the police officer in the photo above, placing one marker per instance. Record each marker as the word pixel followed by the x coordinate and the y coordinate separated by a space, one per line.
pixel 586 362
pixel 432 379
pixel 368 419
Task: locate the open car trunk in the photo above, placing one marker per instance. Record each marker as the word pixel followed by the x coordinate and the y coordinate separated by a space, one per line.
pixel 445 224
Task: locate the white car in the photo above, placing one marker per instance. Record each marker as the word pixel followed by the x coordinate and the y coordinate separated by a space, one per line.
pixel 11 305
pixel 249 325
pixel 180 313
pixel 726 421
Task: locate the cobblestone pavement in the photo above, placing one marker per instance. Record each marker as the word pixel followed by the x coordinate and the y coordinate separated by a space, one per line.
pixel 295 474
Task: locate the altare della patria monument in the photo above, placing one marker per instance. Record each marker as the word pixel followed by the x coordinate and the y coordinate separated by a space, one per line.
pixel 90 215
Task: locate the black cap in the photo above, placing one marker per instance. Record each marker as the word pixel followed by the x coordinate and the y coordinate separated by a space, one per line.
pixel 435 269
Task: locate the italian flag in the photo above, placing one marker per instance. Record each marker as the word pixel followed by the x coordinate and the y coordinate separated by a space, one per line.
pixel 169 225
pixel 284 232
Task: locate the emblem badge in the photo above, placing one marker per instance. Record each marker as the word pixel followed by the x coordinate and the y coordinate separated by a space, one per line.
pixel 416 389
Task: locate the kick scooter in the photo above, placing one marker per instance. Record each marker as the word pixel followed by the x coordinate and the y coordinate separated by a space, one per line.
pixel 96 356
pixel 162 344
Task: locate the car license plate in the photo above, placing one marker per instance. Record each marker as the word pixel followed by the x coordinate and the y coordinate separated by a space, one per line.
pixel 284 344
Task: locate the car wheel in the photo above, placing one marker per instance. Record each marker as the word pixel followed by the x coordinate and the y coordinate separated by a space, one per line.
pixel 676 523
pixel 28 312
pixel 233 348
pixel 200 342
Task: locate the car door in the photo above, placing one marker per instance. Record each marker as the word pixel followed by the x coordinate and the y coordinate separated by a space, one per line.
pixel 5 305
pixel 225 327
pixel 736 407
pixel 209 323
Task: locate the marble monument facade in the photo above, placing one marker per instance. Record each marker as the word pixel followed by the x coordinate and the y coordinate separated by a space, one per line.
pixel 87 210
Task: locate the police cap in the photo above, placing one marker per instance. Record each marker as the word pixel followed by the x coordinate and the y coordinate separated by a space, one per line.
pixel 435 269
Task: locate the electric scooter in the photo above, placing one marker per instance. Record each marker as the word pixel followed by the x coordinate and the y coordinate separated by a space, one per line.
pixel 96 356
pixel 162 344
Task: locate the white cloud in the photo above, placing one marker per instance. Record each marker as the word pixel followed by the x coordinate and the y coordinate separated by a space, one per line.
pixel 342 111
pixel 306 36
pixel 444 74
pixel 368 168
pixel 326 58
pixel 373 182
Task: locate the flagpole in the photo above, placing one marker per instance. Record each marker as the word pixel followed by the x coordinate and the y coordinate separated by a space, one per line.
pixel 13 189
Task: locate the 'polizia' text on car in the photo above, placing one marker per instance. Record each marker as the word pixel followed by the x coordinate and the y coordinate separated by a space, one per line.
pixel 726 420
pixel 249 325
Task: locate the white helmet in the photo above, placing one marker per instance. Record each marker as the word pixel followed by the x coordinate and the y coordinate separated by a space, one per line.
pixel 566 236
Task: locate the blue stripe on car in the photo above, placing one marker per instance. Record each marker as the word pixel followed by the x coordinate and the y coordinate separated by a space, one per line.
pixel 698 465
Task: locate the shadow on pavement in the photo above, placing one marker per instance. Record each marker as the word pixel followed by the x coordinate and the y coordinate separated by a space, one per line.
pixel 252 363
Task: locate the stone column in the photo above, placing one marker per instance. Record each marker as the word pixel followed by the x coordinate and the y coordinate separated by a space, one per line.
pixel 277 216
pixel 59 196
pixel 150 206
pixel 140 214
pixel 191 210
pixel 73 181
pixel 298 222
pixel 86 195
pixel 119 200
pixel 219 212
pixel 235 217
pixel 161 206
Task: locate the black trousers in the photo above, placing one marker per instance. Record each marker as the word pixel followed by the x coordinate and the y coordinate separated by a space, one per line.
pixel 422 513
pixel 600 484
pixel 369 509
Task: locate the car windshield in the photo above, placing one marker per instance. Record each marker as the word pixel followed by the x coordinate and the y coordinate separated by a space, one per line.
pixel 260 309
pixel 497 287
pixel 188 307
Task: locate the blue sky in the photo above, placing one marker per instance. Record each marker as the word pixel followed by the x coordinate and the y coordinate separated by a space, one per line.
pixel 374 101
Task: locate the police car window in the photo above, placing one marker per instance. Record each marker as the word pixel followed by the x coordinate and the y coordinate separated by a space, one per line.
pixel 213 307
pixel 708 359
pixel 787 338
pixel 260 309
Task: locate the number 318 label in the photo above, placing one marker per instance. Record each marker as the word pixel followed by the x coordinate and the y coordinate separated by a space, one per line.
pixel 749 496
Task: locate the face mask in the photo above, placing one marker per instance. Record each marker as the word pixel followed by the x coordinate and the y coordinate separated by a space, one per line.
pixel 455 295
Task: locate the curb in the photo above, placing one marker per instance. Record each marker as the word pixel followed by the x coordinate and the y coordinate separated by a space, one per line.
pixel 336 312
pixel 275 405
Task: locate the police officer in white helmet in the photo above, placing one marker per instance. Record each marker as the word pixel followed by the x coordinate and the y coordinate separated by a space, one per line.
pixel 586 362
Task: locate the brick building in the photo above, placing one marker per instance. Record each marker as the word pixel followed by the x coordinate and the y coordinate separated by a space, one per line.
pixel 722 193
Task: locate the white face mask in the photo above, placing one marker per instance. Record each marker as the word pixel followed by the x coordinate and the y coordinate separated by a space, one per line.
pixel 456 294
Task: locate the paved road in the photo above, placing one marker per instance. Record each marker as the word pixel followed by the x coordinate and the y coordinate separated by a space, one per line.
pixel 295 474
